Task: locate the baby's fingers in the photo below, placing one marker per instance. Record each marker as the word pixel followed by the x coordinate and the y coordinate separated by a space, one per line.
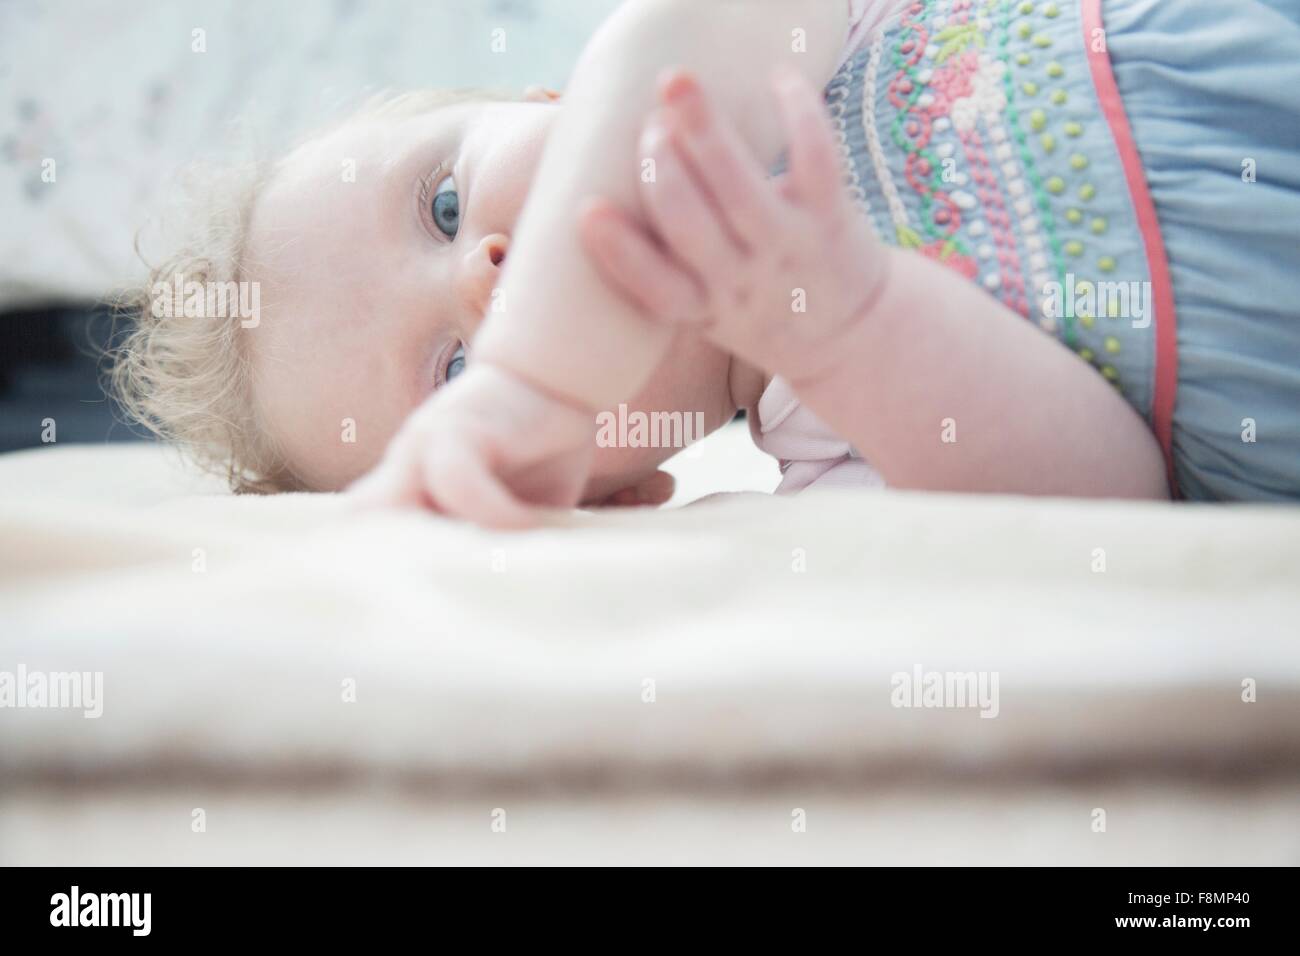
pixel 738 184
pixel 452 480
pixel 634 265
pixel 393 483
pixel 816 176
pixel 461 484
pixel 678 206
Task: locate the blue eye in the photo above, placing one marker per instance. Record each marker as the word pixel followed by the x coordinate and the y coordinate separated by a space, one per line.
pixel 456 365
pixel 446 208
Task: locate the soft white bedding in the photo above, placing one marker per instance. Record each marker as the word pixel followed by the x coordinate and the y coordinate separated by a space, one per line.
pixel 509 671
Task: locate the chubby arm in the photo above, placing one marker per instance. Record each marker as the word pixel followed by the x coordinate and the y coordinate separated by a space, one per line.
pixel 551 296
pixel 1023 414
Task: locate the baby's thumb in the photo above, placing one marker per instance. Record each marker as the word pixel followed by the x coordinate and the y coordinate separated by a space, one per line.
pixel 390 484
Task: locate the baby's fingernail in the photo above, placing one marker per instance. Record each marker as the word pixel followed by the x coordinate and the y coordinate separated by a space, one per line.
pixel 682 101
pixel 680 88
pixel 689 114
pixel 674 82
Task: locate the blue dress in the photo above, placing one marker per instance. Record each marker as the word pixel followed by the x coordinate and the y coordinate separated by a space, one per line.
pixel 1124 173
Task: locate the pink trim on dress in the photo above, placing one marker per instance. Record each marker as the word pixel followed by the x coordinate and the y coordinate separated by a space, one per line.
pixel 1112 106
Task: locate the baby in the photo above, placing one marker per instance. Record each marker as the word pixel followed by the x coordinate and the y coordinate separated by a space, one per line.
pixel 1019 247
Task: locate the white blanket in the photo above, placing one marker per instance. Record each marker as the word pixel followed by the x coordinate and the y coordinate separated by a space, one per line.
pixel 753 643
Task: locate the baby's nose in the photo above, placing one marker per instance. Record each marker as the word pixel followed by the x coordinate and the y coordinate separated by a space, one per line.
pixel 480 273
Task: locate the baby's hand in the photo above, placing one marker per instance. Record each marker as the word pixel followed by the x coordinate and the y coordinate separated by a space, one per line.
pixel 490 449
pixel 775 270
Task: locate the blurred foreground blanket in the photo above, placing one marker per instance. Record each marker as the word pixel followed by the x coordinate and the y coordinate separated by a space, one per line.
pixel 734 661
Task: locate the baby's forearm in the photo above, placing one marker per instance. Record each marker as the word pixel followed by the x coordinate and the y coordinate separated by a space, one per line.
pixel 555 322
pixel 942 388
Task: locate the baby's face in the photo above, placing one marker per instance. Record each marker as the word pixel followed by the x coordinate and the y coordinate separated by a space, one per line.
pixel 377 248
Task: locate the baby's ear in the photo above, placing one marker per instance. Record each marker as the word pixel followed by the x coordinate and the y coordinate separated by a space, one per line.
pixel 540 94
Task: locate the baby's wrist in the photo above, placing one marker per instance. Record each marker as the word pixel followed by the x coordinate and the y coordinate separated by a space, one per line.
pixel 822 359
pixel 521 376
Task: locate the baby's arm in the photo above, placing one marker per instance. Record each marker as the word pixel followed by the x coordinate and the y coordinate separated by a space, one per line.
pixel 558 326
pixel 893 351
pixel 937 358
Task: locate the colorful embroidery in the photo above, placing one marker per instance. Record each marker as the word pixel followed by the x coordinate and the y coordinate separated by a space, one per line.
pixel 982 146
pixel 897 211
pixel 837 98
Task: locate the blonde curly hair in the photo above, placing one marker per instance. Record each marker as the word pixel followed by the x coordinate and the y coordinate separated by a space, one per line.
pixel 189 381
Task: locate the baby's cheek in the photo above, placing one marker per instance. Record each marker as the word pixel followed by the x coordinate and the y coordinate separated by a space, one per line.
pixel 326 443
